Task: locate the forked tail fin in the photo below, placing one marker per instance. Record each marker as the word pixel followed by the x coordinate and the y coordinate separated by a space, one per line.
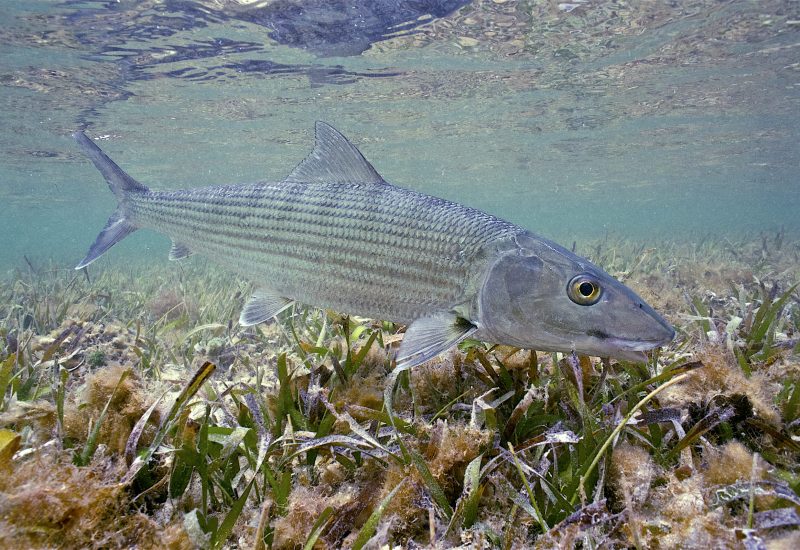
pixel 122 185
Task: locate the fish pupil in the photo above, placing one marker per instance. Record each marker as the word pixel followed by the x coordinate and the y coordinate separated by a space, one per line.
pixel 586 289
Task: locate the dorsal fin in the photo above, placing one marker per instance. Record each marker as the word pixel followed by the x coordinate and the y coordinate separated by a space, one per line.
pixel 333 160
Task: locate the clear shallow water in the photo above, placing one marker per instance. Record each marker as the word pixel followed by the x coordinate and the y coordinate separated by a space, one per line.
pixel 644 121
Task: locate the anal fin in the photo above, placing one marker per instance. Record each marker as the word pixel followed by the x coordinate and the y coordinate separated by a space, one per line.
pixel 429 336
pixel 179 251
pixel 263 305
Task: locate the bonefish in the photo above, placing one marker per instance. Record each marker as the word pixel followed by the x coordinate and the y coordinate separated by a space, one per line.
pixel 335 234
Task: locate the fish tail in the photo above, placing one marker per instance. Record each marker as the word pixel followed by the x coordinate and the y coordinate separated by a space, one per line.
pixel 122 185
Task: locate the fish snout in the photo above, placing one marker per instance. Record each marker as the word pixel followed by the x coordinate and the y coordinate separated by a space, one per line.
pixel 638 329
pixel 656 329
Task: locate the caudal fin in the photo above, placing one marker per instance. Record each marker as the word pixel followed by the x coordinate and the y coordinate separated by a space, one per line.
pixel 122 185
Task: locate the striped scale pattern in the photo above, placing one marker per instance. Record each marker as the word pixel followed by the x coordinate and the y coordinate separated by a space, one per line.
pixel 373 250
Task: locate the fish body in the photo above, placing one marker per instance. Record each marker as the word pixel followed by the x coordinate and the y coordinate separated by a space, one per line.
pixel 372 250
pixel 334 234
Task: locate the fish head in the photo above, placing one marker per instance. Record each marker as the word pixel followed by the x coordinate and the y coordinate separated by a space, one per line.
pixel 538 295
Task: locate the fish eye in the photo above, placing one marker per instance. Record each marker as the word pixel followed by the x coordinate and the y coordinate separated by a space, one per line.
pixel 584 290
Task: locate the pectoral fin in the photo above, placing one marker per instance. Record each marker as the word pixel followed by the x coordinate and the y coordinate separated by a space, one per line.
pixel 429 336
pixel 263 305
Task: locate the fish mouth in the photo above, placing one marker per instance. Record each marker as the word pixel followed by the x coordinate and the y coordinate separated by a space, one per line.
pixel 603 344
pixel 628 349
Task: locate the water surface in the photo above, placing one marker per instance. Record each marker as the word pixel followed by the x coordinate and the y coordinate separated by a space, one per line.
pixel 573 119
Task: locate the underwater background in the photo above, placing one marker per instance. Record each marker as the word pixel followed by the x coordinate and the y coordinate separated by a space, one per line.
pixel 661 140
pixel 574 120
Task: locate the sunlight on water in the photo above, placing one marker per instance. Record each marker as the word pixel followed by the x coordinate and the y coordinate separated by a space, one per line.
pixel 645 121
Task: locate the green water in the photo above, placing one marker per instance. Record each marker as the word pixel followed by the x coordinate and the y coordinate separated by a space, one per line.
pixel 643 121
